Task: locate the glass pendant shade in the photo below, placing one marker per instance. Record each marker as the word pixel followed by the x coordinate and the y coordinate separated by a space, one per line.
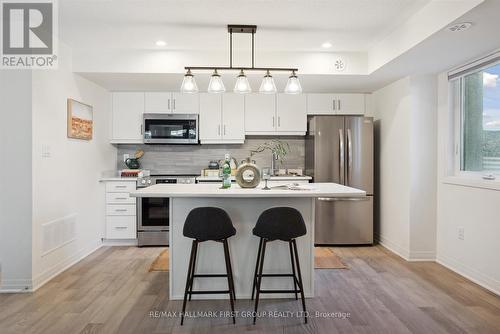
pixel 216 85
pixel 242 85
pixel 293 85
pixel 267 86
pixel 189 83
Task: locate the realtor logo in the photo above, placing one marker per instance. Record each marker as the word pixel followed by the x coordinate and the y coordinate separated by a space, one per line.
pixel 28 30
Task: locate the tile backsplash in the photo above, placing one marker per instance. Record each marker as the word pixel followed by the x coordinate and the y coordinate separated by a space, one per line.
pixel 191 159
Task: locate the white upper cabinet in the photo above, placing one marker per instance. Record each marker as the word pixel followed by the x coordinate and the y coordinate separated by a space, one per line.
pixel 321 104
pixel 291 114
pixel 167 102
pixel 127 110
pixel 157 102
pixel 210 117
pixel 233 118
pixel 350 104
pixel 335 104
pixel 260 113
pixel 184 103
pixel 222 118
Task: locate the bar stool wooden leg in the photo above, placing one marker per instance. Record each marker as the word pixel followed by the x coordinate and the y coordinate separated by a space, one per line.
pixel 293 269
pixel 256 269
pixel 300 280
pixel 259 279
pixel 229 278
pixel 193 270
pixel 189 279
pixel 226 249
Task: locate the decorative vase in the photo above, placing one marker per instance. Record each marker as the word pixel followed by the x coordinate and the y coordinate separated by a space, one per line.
pixel 248 174
pixel 132 163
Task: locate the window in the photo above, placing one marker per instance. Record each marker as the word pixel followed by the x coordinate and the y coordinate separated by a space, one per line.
pixel 478 119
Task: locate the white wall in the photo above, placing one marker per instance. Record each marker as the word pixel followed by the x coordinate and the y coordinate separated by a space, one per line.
pixel 405 113
pixel 391 107
pixel 15 180
pixel 66 183
pixel 476 210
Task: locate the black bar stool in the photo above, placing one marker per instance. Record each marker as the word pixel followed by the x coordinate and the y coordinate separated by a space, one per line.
pixel 204 224
pixel 284 224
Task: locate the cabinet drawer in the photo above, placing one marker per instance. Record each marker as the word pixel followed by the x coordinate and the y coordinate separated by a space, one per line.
pixel 120 187
pixel 120 198
pixel 120 210
pixel 121 227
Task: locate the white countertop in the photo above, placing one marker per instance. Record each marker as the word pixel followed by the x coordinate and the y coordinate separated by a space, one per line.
pixel 273 178
pixel 213 190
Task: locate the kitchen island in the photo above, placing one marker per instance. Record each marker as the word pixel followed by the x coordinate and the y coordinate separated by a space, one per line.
pixel 244 207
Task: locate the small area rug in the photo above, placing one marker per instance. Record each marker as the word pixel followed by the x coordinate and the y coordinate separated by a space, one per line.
pixel 161 262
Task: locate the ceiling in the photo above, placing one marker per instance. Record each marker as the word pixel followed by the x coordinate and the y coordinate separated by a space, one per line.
pixel 195 29
pixel 291 25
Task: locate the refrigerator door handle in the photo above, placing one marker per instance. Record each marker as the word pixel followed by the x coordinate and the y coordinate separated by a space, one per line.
pixel 339 199
pixel 341 156
pixel 349 157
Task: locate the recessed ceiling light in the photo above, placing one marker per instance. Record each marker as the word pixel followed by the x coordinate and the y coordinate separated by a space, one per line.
pixel 460 27
pixel 161 43
pixel 326 45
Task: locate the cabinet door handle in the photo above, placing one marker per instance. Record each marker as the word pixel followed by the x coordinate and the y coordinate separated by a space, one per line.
pixel 168 104
pixel 339 104
pixel 141 129
pixel 279 121
pixel 224 129
pixel 121 227
pixel 121 187
pixel 120 210
pixel 334 104
pixel 174 103
pixel 273 121
pixel 121 198
pixel 218 129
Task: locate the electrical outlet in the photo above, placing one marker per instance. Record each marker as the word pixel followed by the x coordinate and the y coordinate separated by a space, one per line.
pixel 461 233
pixel 125 157
pixel 46 151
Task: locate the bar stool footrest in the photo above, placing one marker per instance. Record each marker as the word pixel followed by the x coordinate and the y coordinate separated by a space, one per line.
pixel 279 291
pixel 213 292
pixel 210 275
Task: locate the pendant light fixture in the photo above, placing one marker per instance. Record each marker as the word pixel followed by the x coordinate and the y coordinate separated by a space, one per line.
pixel 189 83
pixel 216 85
pixel 242 85
pixel 267 86
pixel 293 85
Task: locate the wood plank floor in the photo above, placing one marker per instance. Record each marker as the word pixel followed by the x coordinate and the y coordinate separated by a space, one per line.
pixel 111 291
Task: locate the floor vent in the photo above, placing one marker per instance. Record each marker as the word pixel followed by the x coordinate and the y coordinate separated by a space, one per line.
pixel 58 233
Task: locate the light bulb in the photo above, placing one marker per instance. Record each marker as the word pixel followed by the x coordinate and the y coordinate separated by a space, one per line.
pixel 242 85
pixel 267 86
pixel 189 83
pixel 293 85
pixel 216 85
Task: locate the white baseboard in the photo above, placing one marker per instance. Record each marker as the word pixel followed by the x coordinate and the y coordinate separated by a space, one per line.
pixel 394 247
pixel 119 242
pixel 15 285
pixel 55 270
pixel 403 252
pixel 474 275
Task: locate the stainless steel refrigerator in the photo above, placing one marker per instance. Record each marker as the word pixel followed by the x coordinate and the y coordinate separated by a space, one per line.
pixel 340 149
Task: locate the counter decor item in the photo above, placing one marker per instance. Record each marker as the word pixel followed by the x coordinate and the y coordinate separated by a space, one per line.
pixel 80 123
pixel 214 164
pixel 248 174
pixel 278 148
pixel 133 163
pixel 226 173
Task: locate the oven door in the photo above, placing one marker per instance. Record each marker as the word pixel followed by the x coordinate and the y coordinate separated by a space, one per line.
pixel 153 214
pixel 170 128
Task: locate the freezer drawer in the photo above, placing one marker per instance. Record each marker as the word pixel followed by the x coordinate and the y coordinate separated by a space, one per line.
pixel 344 221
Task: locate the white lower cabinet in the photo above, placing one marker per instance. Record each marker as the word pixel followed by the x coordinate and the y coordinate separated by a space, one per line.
pixel 222 118
pixel 121 210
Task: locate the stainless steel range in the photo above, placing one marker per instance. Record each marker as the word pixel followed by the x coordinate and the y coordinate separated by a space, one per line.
pixel 153 222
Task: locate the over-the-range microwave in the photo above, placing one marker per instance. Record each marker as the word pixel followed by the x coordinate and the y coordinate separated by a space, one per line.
pixel 170 128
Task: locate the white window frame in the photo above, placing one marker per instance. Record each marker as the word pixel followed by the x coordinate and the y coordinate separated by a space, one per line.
pixel 455 104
